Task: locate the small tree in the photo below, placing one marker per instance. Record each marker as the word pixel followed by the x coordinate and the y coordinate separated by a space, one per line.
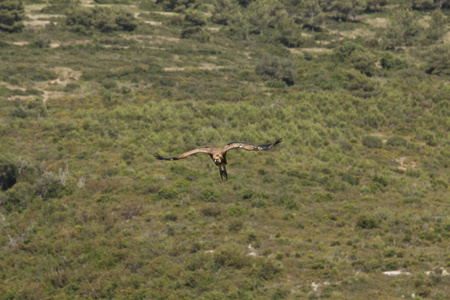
pixel 312 13
pixel 193 26
pixel 12 13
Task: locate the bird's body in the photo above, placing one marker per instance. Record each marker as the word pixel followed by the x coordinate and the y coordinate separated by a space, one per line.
pixel 219 155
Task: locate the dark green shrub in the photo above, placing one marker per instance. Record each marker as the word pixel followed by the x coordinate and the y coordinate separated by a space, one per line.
pixel 323 197
pixel 104 19
pixel 17 197
pixel 41 74
pixel 235 226
pixel 412 200
pixel 175 5
pixel 396 141
pixel 70 87
pixel 372 141
pixel 430 139
pixel 363 61
pixel 277 68
pixel 354 80
pixel 236 211
pixel 402 29
pixel 209 195
pixel 167 192
pixel 438 24
pixel 367 221
pixel 50 185
pixel 194 18
pixel 8 173
pixel 350 179
pixel 389 62
pixel 170 216
pixel 12 13
pixel 42 42
pixel 276 84
pixel 231 257
pixel 267 269
pixel 211 211
pixel 380 180
pixel 423 5
pixel 109 84
pixel 343 52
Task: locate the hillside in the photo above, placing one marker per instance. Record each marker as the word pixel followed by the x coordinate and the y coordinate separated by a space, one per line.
pixel 353 204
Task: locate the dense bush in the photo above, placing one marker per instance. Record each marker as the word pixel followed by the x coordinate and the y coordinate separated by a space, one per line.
pixel 372 141
pixel 12 13
pixel 102 18
pixel 357 56
pixel 367 221
pixel 273 67
pixel 389 61
pixel 8 172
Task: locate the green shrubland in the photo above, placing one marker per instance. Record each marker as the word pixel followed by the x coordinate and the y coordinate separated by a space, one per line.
pixel 358 90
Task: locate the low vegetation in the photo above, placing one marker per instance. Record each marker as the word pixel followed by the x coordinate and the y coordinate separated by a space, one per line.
pixel 353 204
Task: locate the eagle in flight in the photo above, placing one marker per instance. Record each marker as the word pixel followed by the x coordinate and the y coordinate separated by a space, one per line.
pixel 219 155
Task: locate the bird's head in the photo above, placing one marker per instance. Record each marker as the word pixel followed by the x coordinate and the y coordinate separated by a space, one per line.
pixel 217 159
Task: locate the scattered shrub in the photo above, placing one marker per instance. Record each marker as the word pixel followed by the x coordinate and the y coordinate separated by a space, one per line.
pixel 167 192
pixel 170 216
pixel 211 211
pixel 231 257
pixel 236 211
pixel 210 195
pixel 396 141
pixel 267 269
pixel 235 226
pixel 350 179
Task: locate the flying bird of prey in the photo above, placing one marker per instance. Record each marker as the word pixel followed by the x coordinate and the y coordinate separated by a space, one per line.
pixel 219 155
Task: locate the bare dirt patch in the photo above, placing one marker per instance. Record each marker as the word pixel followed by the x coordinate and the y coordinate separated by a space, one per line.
pixel 150 38
pixel 446 38
pixel 153 23
pixel 37 20
pixel 20 43
pixel 35 24
pixel 404 164
pixel 51 89
pixel 315 50
pixel 203 66
pixel 165 13
pixel 377 22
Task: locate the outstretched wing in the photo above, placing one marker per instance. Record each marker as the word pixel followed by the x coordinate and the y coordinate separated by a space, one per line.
pixel 185 154
pixel 249 147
